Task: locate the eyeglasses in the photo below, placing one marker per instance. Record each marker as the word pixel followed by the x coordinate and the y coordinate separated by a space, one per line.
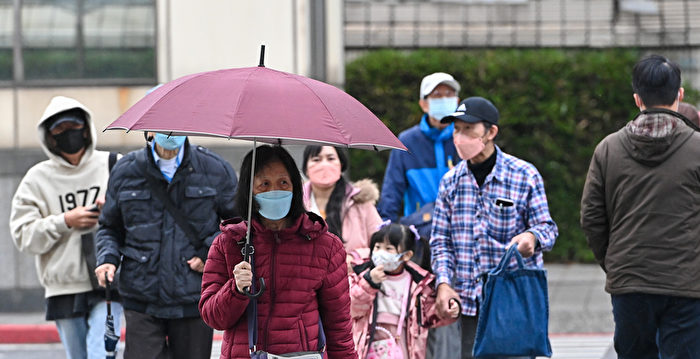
pixel 440 94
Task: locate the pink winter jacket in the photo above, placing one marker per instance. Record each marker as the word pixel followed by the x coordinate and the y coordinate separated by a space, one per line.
pixel 306 277
pixel 360 216
pixel 421 313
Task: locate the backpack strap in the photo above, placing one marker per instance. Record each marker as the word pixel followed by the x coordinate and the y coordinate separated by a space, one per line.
pixel 112 161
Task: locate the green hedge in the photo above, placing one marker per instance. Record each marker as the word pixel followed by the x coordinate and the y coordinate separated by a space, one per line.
pixel 555 106
pixel 98 63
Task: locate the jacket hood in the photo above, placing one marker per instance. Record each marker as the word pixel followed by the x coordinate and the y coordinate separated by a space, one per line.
pixel 59 104
pixel 654 135
pixel 364 190
pixel 309 225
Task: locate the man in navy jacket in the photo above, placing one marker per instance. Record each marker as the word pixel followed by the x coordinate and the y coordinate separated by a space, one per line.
pixel 412 178
pixel 160 252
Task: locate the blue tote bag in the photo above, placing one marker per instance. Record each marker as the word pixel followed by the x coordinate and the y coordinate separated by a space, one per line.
pixel 514 311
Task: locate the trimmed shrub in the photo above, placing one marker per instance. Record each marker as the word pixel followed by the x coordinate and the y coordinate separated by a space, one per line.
pixel 555 107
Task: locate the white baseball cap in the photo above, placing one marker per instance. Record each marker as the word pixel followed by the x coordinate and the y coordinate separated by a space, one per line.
pixel 431 81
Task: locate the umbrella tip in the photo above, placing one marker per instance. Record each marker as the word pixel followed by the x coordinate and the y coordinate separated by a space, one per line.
pixel 262 56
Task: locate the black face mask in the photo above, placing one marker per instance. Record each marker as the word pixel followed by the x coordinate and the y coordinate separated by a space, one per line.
pixel 70 141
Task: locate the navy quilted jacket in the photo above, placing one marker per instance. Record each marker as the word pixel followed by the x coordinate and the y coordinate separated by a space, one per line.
pixel 138 234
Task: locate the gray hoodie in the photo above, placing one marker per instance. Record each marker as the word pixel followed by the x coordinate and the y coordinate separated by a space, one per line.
pixel 641 204
pixel 49 189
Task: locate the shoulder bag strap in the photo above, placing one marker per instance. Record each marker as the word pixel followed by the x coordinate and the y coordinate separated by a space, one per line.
pixel 180 219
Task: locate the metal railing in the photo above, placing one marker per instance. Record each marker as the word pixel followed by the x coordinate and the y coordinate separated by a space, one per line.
pixel 531 23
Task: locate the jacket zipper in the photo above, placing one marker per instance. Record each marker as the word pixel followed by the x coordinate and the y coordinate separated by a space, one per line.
pixel 271 287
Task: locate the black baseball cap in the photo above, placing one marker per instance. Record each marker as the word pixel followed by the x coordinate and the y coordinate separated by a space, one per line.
pixel 473 110
pixel 74 115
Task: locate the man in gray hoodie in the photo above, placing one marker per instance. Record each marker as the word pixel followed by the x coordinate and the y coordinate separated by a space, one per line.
pixel 639 212
pixel 54 212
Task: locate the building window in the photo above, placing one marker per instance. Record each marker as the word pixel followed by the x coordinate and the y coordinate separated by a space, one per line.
pixel 82 41
pixel 6 25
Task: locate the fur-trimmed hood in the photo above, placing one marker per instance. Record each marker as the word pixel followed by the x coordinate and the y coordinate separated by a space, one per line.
pixel 364 190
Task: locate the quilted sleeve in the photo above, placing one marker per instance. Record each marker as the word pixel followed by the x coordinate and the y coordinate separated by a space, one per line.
pixel 428 311
pixel 221 306
pixel 361 295
pixel 334 303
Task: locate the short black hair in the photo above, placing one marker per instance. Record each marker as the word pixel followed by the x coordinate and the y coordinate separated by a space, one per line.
pixel 656 80
pixel 265 155
pixel 403 239
pixel 334 207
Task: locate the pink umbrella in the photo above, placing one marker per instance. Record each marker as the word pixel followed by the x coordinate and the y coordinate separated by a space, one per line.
pixel 261 104
pixel 258 104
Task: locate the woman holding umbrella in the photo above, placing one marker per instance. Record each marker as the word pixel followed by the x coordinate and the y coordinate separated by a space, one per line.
pixel 302 264
pixel 348 208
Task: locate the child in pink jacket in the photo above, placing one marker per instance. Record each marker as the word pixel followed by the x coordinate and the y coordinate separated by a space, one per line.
pixel 393 299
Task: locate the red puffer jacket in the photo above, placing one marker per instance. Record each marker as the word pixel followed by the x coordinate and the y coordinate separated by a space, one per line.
pixel 306 275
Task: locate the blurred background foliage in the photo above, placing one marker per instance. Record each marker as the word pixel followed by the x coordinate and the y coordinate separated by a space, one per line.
pixel 555 106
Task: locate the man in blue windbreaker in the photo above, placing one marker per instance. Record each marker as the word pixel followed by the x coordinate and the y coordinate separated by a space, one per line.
pixel 412 178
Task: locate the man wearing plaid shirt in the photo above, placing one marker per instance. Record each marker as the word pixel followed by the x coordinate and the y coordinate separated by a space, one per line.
pixel 485 204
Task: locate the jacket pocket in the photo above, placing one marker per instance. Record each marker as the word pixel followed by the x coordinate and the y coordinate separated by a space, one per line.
pixel 188 282
pixel 135 205
pixel 303 338
pixel 138 274
pixel 200 202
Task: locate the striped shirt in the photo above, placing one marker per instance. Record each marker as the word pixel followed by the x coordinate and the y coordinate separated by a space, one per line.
pixel 472 225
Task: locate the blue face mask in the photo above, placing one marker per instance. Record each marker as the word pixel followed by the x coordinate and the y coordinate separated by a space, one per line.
pixel 441 107
pixel 169 142
pixel 274 205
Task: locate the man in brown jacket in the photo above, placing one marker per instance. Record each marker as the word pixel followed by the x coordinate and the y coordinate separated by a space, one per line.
pixel 640 212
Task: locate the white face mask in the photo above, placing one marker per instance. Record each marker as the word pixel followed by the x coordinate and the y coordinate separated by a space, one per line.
pixel 441 107
pixel 388 260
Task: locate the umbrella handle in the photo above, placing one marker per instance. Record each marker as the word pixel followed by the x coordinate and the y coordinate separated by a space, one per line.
pixel 247 292
pixel 108 295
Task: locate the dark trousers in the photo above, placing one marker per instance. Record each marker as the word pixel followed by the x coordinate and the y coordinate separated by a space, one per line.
pixel 656 326
pixel 442 343
pixel 468 334
pixel 148 337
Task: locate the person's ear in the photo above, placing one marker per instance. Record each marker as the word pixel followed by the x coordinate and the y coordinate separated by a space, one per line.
pixel 148 136
pixel 407 256
pixel 638 101
pixel 491 134
pixel 681 94
pixel 424 105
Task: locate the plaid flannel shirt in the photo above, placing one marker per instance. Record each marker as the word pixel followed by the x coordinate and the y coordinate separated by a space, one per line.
pixel 472 225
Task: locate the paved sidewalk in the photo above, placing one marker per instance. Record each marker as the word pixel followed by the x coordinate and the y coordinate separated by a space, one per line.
pixel 578 302
pixel 580 327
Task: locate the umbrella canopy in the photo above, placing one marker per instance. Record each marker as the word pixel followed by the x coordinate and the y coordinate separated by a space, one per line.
pixel 258 103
